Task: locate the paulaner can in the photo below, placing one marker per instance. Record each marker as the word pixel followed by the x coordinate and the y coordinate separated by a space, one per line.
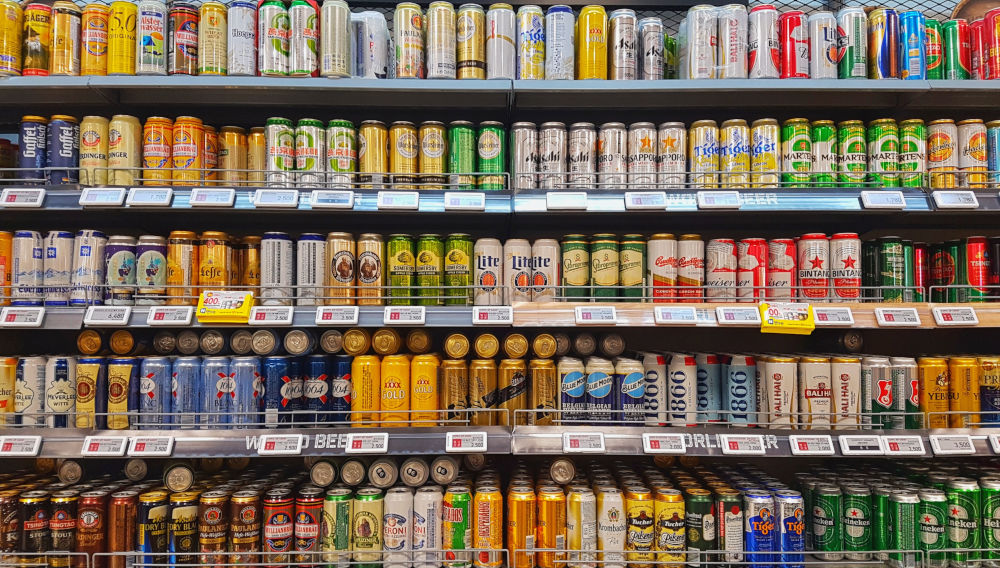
pixel 93 40
pixel 408 35
pixel 182 45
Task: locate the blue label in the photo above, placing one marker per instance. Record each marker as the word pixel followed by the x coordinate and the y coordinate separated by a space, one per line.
pixel 574 384
pixel 634 385
pixel 599 384
pixel 85 250
pixel 36 253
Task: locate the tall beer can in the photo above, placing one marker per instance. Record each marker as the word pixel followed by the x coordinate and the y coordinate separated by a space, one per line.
pixel 720 270
pixel 241 42
pixel 763 47
pixel 530 43
pixel 682 378
pixel 29 391
pixel 845 379
pixel 182 39
pixel 642 138
pixel 552 156
pixel 651 39
pixel 691 268
pixel 782 275
pixel 303 44
pixel 488 276
pixel 815 393
pixel 765 152
pixel 611 527
pixel 517 271
pixel 661 267
pixel 524 155
pixel 501 42
pixel 441 39
pixel 427 506
pixel 124 149
pixel 780 392
pixel 471 42
pixel 276 275
pixel 121 38
pixel 751 269
pixel 27 269
pixel 612 158
pixel 335 39
pixel 408 36
pixel 734 154
pixel 65 56
pixel 545 265
pixel 272 39
pixel 852 43
pixel 87 276
pixel 703 154
pixel 823 48
pixel 592 43
pixel 370 268
pixel 397 527
pixel 732 44
pixel 342 269
pixel 793 36
pixel 93 40
pixel 702 52
pixel 672 154
pixel 656 398
pixel 814 266
pixel 151 36
pixel 311 269
pixel 582 156
pixel 94 150
pixel 622 45
pixel 913 46
pixel 559 43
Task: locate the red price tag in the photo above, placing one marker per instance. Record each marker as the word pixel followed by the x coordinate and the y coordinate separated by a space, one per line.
pixel 946 316
pixel 6 446
pixel 158 316
pixel 394 316
pixel 821 316
pixel 734 445
pixel 574 443
pixel 585 315
pixel 894 446
pixel 140 446
pixel 94 446
pixel 11 317
pixel 269 445
pixel 356 444
pixel 11 198
pixel 456 443
pixel 327 316
pixel 890 317
pixel 802 446
pixel 655 444
pixel 483 316
pixel 260 316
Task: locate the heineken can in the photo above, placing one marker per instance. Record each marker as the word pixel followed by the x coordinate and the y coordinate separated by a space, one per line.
pixel 796 152
pixel 852 43
pixel 491 155
pixel 990 487
pixel 429 270
pixel 341 153
pixel 399 253
pixel 824 153
pixel 904 506
pixel 456 525
pixel 852 153
pixel 462 150
pixel 913 153
pixel 963 522
pixel 881 505
pixel 280 152
pixel 828 537
pixel 857 522
pixel 335 538
pixel 458 254
pixel 883 153
pixel 933 523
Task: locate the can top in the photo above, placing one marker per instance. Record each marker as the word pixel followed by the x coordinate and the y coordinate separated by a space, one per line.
pixel 456 345
pixel 386 341
pixel 68 118
pixel 515 345
pixel 418 341
pixel 544 345
pixel 487 345
pixel 34 118
pixel 553 125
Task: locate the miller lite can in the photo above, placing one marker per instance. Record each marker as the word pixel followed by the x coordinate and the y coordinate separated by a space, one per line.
pixel 517 271
pixel 488 275
pixel 545 254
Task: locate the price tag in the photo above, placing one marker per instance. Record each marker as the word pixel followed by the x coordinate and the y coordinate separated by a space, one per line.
pixel 337 315
pixel 794 318
pixel 705 316
pixel 861 446
pixel 596 315
pixel 151 446
pixel 404 315
pixel 583 443
pixel 22 197
pixel 212 197
pixel 903 445
pixel 995 442
pixel 398 200
pixel 841 317
pixel 955 199
pixel 170 315
pixel 331 199
pixel 897 317
pixel 102 197
pixel 645 200
pixel 107 315
pixel 811 445
pixel 280 445
pixel 732 315
pixel 465 442
pixel 663 444
pixel 663 315
pixel 271 315
pixel 104 446
pixel 22 316
pixel 883 200
pixel 492 315
pixel 150 197
pixel 276 198
pixel 367 443
pixel 464 201
pixel 20 445
pixel 958 315
pixel 566 200
pixel 742 444
pixel 952 444
pixel 718 200
pixel 224 306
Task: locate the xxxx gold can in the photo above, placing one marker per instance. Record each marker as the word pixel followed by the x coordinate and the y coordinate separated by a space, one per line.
pixel 482 392
pixel 210 154
pixel 403 157
pixel 94 150
pixel 188 150
pixel 124 149
pixel 424 390
pixel 94 25
pixel 521 523
pixel 963 391
pixel 373 156
pixel 395 387
pixel 256 156
pixel 365 384
pixel 36 39
pixel 471 42
pixel 121 38
pixel 233 155
pixel 592 43
pixel 370 267
pixel 340 261
pixel 11 22
pixel 213 260
pixel 157 148
pixel 453 389
pixel 182 268
pixel 65 56
pixel 932 373
pixel 433 149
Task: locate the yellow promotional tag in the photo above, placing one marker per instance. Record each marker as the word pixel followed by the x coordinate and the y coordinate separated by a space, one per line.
pixel 220 306
pixel 787 317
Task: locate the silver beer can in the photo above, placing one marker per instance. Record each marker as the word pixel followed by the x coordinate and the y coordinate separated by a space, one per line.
pixel 642 155
pixel 732 42
pixel 302 56
pixel 763 42
pixel 335 39
pixel 613 155
pixel 672 154
pixel 441 55
pixel 581 156
pixel 622 44
pixel 501 48
pixel 371 45
pixel 552 156
pixel 545 262
pixel 524 155
pixel 488 272
pixel 823 58
pixel 720 270
pixel 702 39
pixel 651 49
pixel 560 26
pixel 272 35
pixel 151 21
pixel 311 272
pixel 241 45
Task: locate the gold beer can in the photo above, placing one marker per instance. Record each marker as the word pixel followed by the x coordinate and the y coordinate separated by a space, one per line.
pixel 365 388
pixel 395 387
pixel 6 265
pixel 65 56
pixel 212 35
pixel 124 149
pixel 213 260
pixel 544 391
pixel 256 156
pixel 639 517
pixel 340 261
pixel 8 379
pixel 11 23
pixel 404 155
pixel 512 391
pixel 521 523
pixel 369 278
pixel 471 42
pixel 233 155
pixel 188 150
pixel 36 39
pixel 210 154
pixel 373 156
pixel 94 26
pixel 932 372
pixel 454 389
pixel 482 392
pixel 433 151
pixel 551 525
pixel 418 341
pixel 234 263
pixel 157 148
pixel 94 150
pixel 121 38
pixel 669 534
pixel 182 268
pixel 592 43
pixel 424 390
pixel 250 263
pixel 386 341
pixel 488 526
pixel 963 390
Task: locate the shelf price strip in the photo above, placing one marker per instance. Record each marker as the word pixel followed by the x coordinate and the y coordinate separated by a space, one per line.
pixel 151 446
pixel 897 317
pixel 958 315
pixel 212 197
pixel 271 315
pixel 903 445
pixel 861 446
pixel 22 197
pixel 833 317
pixel 718 200
pixel 24 446
pixel 952 444
pixel 276 198
pixel 663 315
pixel 465 442
pixel 337 315
pixel 104 446
pixel 583 443
pixel 663 444
pixel 995 442
pixel 645 200
pixel 170 315
pixel 22 316
pixel 102 197
pixel 742 444
pixel 462 201
pixel 280 445
pixel 733 315
pixel 955 199
pixel 149 197
pixel 375 443
pixel 404 315
pixel 398 200
pixel 883 199
pixel 566 201
pixel 107 315
pixel 821 445
pixel 492 315
pixel 595 315
pixel 331 199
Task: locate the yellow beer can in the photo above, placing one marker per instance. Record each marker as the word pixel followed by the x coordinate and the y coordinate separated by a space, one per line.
pixel 94 39
pixel 157 145
pixel 963 390
pixel 233 155
pixel 188 150
pixel 592 43
pixel 11 22
pixel 65 56
pixel 424 390
pixel 932 373
pixel 256 156
pixel 124 149
pixel 366 387
pixel 182 268
pixel 395 386
pixel 213 260
pixel 36 39
pixel 121 38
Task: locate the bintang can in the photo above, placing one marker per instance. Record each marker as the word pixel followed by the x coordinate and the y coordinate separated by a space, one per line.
pixel 883 153
pixel 845 267
pixel 824 153
pixel 530 43
pixel 121 38
pixel 942 153
pixel 592 43
pixel 964 513
pixel 796 152
pixel 501 42
pixel 972 153
pixel 852 43
pixel 335 39
pixel 65 56
pixel 441 41
pixel 883 44
pixel 151 34
pixel 651 39
pixel 765 152
pixel 814 266
pixel 241 41
pixel 912 153
pixel 622 44
pixel 852 153
pixel 182 44
pixel 470 29
pixel 273 32
pixel 559 45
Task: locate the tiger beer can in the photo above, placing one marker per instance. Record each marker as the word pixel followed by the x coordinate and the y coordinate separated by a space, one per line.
pixel 734 154
pixel 765 152
pixel 703 153
pixel 642 138
pixel 672 154
pixel 581 156
pixel 524 155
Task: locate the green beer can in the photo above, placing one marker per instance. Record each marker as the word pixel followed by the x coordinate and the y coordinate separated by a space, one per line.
pixel 796 152
pixel 456 525
pixel 698 518
pixel 913 153
pixel 632 267
pixel 883 153
pixel 963 522
pixel 335 538
pixel 366 524
pixel 869 269
pixel 669 57
pixel 933 524
pixel 957 272
pixel 852 153
pixel 604 266
pixel 904 507
pixel 458 251
pixel 491 155
pixel 399 253
pixel 341 153
pixel 939 479
pixel 953 40
pixel 430 270
pixel 824 150
pixel 881 505
pixel 935 49
pixel 461 154
pixel 891 269
pixel 990 487
pixel 857 520
pixel 828 534
pixel 909 282
pixel 575 256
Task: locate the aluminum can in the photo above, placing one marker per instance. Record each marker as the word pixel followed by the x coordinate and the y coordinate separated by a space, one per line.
pixel 632 268
pixel 971 153
pixel 751 269
pixel 401 261
pixel 883 44
pixel 779 392
pixel 119 269
pixel 814 266
pixel 933 525
pixel 334 39
pixel 373 153
pixel 629 391
pixel 702 33
pixel 187 392
pixel 491 155
pixel 87 277
pixel 793 34
pixel 763 49
pixel 56 267
pixel 338 268
pixel 934 48
pixel 827 521
pixel 720 270
pixel 782 275
pixel 121 38
pixel 311 269
pixel 559 43
pixel 123 391
pixel 10 39
pixel 964 518
pixel 600 390
pixel 65 56
pixel 310 147
pixel 524 155
pixel 408 36
pixel 60 391
pixel 273 33
pixel 993 150
pixel 740 393
pixel 429 268
pixel 852 43
pixel 516 271
pixel 218 390
pixel 732 45
pixel 188 150
pixel 426 530
pixel 341 153
pixel 471 42
pixel 62 149
pixel 303 43
pixel 241 36
pixel 233 155
pixel 551 533
pixel 883 152
pixel 501 42
pixel 36 39
pixel 823 48
pixel 877 393
pixel 276 276
pixel 530 43
pixel 796 152
pixel 397 521
pixel 182 36
pixel 456 525
pixel 814 393
pixel 521 520
pixel 157 150
pixel 573 380
pixel 245 372
pixel 852 153
pixel 642 141
pixel 462 149
pixel 845 268
pixel 682 375
pixel 576 262
pixel 32 149
pixel 488 273
pixel 371 34
pixel 214 260
pixel 655 401
pixel 432 154
pixel 622 45
pixel 690 268
pixel 708 387
pixel 151 35
pixel 604 265
pixel 151 269
pixel 280 152
pixel 913 45
pixel 640 518
pixel 277 525
pixel 27 269
pixel 210 153
pixel 29 391
pixel 906 393
pixel 651 41
pixel 552 156
pixel 672 154
pixel 93 148
pixel 790 515
pixel 155 394
pixel 765 152
pixel 734 154
pixel 963 392
pixel 942 153
pixel 592 43
pixel 612 158
pixel 612 527
pixel 824 153
pixel 703 154
pixel 544 269
pixel 94 26
pixel 581 527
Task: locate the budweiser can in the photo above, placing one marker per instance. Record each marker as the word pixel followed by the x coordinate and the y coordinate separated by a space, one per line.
pixel 845 267
pixel 732 42
pixel 814 266
pixel 751 269
pixel 763 47
pixel 781 273
pixel 552 156
pixel 642 155
pixel 661 267
pixel 524 159
pixel 690 268
pixel 720 270
pixel 823 55
pixel 488 257
pixel 612 155
pixel 582 156
pixel 671 158
pixel 793 37
pixel 702 33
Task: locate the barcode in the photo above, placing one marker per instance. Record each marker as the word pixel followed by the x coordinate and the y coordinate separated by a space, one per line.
pixel 915 69
pixel 860 69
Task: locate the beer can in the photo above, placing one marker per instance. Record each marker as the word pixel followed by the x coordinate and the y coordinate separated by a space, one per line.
pixel 276 276
pixel 913 45
pixel 62 149
pixel 157 150
pixel 592 43
pixel 491 155
pixel 524 147
pixel 303 41
pixel 188 150
pixel 122 38
pixel 559 43
pixel 501 42
pixel 720 270
pixel 963 392
pixel 622 44
pixel 703 153
pixel 27 269
pixel 373 153
pixel 700 61
pixel 310 151
pixel 273 33
pixel 651 41
pixel 845 270
pixel 612 158
pixel 241 36
pixel 672 156
pixel 93 148
pixel 642 156
pixel 823 45
pixel 432 143
pixel 852 43
pixel 662 267
pixel 763 47
pixel 32 151
pixel 813 266
pixel 740 390
pixel 36 39
pixel 814 393
pixel 883 44
pixel 691 268
pixel 151 38
pixel 441 40
pixel 182 39
pixel 751 269
pixel 682 388
pixel 734 154
pixel 732 47
pixel 280 152
pixel 782 274
pixel 942 153
pixel 65 56
pixel 582 156
pixel 780 392
pixel 823 138
pixel 94 27
pixel 471 42
pixel 793 36
pixel 530 43
pixel 971 153
pixel 151 269
pixel 408 36
pixel 552 155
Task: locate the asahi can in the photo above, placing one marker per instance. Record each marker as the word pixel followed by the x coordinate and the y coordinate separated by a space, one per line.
pixel 651 40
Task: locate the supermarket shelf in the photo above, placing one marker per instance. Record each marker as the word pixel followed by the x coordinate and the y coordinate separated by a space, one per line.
pixel 368 316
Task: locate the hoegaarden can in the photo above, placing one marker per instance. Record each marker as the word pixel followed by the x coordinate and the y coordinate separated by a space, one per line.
pixel 399 252
pixel 575 256
pixel 336 535
pixel 852 156
pixel 604 263
pixel 857 522
pixel 883 153
pixel 430 270
pixel 632 267
pixel 824 151
pixel 456 525
pixel 933 522
pixel 963 522
pixel 913 153
pixel 491 155
pixel 990 487
pixel 796 152
pixel 458 249
pixel 828 535
pixel 462 154
pixel 904 508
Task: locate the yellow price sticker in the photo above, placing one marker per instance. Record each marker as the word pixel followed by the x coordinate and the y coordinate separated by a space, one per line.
pixel 794 318
pixel 222 306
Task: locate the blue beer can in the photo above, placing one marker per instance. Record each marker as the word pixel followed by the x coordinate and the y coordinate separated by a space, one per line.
pixel 245 372
pixel 789 510
pixel 759 531
pixel 316 389
pixel 31 149
pixel 600 390
pixel 87 277
pixel 740 390
pixel 630 390
pixel 993 151
pixel 883 44
pixel 60 392
pixel 340 389
pixel 282 390
pixel 912 50
pixel 63 149
pixel 573 389
pixel 155 393
pixel 292 392
pixel 218 391
pixel 709 387
pixel 187 392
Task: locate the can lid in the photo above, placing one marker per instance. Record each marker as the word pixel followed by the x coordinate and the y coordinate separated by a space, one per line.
pixel 562 471
pixel 135 469
pixel 414 472
pixel 241 342
pixel 418 341
pixel 297 342
pixel 487 345
pixel 332 341
pixel 178 477
pixel 515 345
pixel 122 342
pixel 544 345
pixel 88 342
pixel 386 341
pixel 456 345
pixel 352 473
pixel 356 341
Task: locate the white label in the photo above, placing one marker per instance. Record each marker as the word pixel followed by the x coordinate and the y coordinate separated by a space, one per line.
pixel 583 443
pixel 995 442
pixel 645 200
pixel 492 315
pixel 107 315
pixel 742 444
pixel 22 197
pixel 861 446
pixel 280 445
pixel 811 445
pixel 596 315
pixel 674 315
pixel 337 315
pixel 367 444
pixel 170 315
pixel 331 199
pixel 465 442
pixel 20 445
pixel 102 197
pixel 398 200
pixel 718 200
pixel 842 317
pixel 897 317
pixel 151 446
pixel 276 198
pixel 212 197
pixel 150 197
pixel 903 445
pixel 271 315
pixel 705 316
pixel 566 200
pixel 22 317
pixel 663 444
pixel 959 315
pixel 464 201
pixel 729 315
pixel 108 446
pixel 883 200
pixel 404 315
pixel 955 199
pixel 952 444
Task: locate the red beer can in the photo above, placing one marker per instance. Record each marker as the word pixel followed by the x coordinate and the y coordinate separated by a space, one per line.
pixel 751 270
pixel 720 270
pixel 977 41
pixel 781 272
pixel 991 44
pixel 977 266
pixel 845 267
pixel 814 266
pixel 793 37
pixel 921 272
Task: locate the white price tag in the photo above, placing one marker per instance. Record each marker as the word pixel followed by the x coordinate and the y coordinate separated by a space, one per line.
pixel 811 445
pixel 705 316
pixel 885 199
pixel 376 443
pixel 151 446
pixel 212 197
pixel 276 198
pixel 566 200
pixel 674 315
pixel 331 199
pixel 271 315
pixel 861 446
pixel 596 315
pixel 718 200
pixel 995 442
pixel 583 443
pixel 903 445
pixel 663 444
pixel 742 444
pixel 897 317
pixel 637 200
pixel 842 317
pixel 104 446
pixel 280 445
pixel 337 315
pixel 732 315
pixel 170 315
pixel 20 446
pixel 492 315
pixel 464 201
pixel 107 315
pixel 102 197
pixel 150 196
pixel 952 444
pixel 22 316
pixel 398 200
pixel 955 199
pixel 404 315
pixel 958 315
pixel 22 197
pixel 465 442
